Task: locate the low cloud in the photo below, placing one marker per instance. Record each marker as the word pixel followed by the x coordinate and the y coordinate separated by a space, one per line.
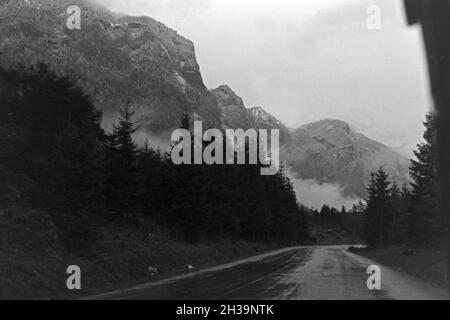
pixel 166 11
pixel 314 194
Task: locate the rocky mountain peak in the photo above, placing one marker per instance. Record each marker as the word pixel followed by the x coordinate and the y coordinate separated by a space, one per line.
pixel 260 113
pixel 120 59
pixel 227 97
pixel 329 126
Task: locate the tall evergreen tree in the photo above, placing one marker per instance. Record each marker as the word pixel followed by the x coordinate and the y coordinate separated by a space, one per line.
pixel 378 213
pixel 424 219
pixel 423 170
pixel 186 203
pixel 122 156
pixel 150 172
pixel 121 143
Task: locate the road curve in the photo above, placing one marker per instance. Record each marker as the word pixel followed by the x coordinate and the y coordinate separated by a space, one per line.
pixel 301 273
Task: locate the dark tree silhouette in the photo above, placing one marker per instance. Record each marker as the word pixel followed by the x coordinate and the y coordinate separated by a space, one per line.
pixel 378 213
pixel 122 154
pixel 55 155
pixel 425 224
pixel 54 146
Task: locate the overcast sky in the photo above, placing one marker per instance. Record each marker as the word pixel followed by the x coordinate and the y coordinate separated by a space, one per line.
pixel 304 60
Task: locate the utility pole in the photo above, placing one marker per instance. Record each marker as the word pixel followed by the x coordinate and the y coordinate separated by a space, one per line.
pixel 434 16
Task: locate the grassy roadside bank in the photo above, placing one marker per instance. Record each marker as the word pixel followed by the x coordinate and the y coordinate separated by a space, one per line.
pixel 425 263
pixel 33 262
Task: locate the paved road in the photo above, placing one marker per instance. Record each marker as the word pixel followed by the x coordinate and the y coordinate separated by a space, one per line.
pixel 302 273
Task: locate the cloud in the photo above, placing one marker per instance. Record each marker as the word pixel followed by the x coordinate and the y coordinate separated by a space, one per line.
pixel 157 6
pixel 369 78
pixel 308 60
pixel 313 194
pixel 171 12
pixel 353 15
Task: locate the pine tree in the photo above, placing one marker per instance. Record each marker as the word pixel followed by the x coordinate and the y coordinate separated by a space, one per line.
pixel 149 176
pixel 121 141
pixel 186 189
pixel 423 170
pixel 378 213
pixel 399 200
pixel 122 164
pixel 424 220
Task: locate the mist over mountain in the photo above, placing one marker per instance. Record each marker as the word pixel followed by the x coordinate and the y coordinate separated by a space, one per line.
pixel 137 61
pixel 327 159
pixel 331 152
pixel 118 60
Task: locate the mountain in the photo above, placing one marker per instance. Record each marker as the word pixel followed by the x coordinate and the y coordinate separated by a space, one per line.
pixel 122 60
pixel 330 151
pixel 137 61
pixel 327 151
pixel 118 60
pixel 235 115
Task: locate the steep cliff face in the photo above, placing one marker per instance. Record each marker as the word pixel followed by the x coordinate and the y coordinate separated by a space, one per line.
pixel 329 151
pixel 234 113
pixel 137 61
pixel 118 60
pixel 226 97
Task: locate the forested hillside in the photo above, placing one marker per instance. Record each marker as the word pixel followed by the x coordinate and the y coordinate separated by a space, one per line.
pixel 61 170
pixel 57 157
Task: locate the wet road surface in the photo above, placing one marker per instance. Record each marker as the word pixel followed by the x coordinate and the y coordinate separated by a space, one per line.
pixel 303 273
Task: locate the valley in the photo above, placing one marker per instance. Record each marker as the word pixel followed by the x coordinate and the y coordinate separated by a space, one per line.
pixel 138 61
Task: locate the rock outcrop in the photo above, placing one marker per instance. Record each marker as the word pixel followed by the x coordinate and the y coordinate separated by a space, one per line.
pixel 125 60
pixel 118 60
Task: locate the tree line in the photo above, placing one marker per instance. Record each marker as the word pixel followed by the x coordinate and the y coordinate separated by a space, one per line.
pixel 392 214
pixel 347 223
pixel 408 214
pixel 55 156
